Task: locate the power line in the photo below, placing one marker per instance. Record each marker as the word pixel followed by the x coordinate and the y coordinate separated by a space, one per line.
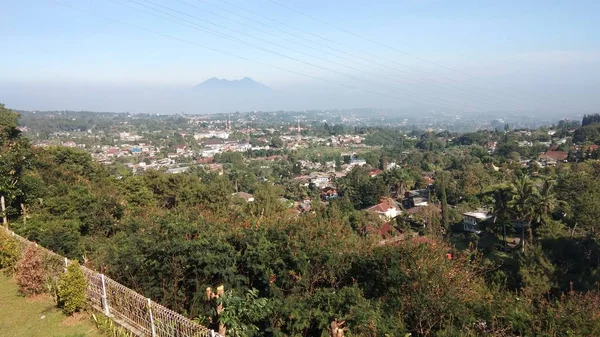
pixel 300 52
pixel 279 54
pixel 320 58
pixel 235 55
pixel 437 64
pixel 213 32
pixel 370 60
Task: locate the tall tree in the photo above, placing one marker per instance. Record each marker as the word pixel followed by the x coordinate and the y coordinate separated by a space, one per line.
pixel 500 198
pixel 445 216
pixel 15 159
pixel 523 199
pixel 399 180
pixel 546 201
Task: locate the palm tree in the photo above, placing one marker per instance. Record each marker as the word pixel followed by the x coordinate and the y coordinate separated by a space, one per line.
pixel 399 179
pixel 397 184
pixel 502 198
pixel 523 201
pixel 546 201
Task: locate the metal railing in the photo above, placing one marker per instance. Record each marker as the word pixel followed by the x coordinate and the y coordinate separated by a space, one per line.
pixel 134 312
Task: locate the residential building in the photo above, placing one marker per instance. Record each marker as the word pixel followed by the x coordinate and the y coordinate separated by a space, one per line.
pixel 387 209
pixel 176 170
pixel 214 143
pixel 329 193
pixel 246 196
pixel 357 162
pixel 375 173
pixel 180 149
pixel 555 156
pixel 473 220
pixel 391 166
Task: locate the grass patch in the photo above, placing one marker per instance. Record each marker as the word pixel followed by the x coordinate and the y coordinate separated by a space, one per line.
pixel 37 316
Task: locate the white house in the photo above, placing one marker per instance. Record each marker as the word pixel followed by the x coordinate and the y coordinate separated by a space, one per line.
pixel 391 166
pixel 472 220
pixel 358 162
pixel 320 181
pixel 177 170
pixel 212 134
pixel 246 196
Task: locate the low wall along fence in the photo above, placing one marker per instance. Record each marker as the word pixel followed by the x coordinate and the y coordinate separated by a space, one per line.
pixel 134 312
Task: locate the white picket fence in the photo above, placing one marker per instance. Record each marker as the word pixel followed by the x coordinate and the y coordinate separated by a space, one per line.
pixel 134 312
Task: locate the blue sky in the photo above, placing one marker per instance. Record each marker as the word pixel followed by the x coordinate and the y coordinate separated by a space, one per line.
pixel 544 46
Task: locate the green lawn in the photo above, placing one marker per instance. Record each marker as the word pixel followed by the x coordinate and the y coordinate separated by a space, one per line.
pixel 37 317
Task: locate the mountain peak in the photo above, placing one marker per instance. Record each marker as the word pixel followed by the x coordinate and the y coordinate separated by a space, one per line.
pixel 217 83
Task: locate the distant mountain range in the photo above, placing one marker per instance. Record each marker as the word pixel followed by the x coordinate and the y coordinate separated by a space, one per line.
pixel 245 83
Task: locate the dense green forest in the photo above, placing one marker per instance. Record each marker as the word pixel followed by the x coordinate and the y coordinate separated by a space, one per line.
pixel 289 274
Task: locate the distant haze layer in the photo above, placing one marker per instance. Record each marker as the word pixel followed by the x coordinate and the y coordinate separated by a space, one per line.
pixel 563 84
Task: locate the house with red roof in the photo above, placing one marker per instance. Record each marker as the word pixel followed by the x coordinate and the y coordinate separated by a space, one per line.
pixel 207 160
pixel 179 149
pixel 387 209
pixel 111 152
pixel 553 157
pixel 428 179
pixel 375 173
pixel 329 193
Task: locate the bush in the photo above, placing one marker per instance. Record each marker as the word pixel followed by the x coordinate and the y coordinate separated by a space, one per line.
pixel 30 273
pixel 71 289
pixel 10 251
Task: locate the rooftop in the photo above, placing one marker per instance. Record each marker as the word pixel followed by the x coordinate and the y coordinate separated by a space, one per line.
pixel 480 214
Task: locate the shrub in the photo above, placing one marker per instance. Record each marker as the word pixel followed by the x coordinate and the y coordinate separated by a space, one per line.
pixel 30 273
pixel 71 289
pixel 10 251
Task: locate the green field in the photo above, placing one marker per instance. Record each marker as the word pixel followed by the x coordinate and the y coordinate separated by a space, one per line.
pixel 38 316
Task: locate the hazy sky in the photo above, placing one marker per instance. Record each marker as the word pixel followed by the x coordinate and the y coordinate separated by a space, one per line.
pixel 530 56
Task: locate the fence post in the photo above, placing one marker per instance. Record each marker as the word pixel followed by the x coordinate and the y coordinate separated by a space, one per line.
pixel 104 302
pixel 66 264
pixel 151 319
